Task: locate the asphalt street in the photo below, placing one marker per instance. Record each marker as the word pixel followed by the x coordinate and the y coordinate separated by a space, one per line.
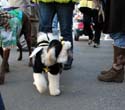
pixel 80 88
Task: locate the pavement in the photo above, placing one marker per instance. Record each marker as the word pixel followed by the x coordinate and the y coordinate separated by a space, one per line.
pixel 80 88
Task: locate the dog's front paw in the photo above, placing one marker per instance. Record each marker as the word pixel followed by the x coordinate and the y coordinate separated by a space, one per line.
pixel 54 84
pixel 40 82
pixel 40 87
pixel 54 92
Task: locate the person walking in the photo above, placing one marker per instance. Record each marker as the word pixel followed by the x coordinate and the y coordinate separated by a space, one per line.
pixel 115 25
pixel 98 22
pixel 64 10
pixel 85 7
pixel 92 20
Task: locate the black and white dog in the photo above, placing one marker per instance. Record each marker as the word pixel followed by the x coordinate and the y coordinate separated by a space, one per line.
pixel 50 54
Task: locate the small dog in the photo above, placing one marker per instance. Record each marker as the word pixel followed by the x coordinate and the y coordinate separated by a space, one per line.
pixel 50 54
pixel 26 31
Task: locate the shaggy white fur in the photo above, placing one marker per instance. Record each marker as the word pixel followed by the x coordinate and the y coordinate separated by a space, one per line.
pixel 63 56
pixel 49 58
pixel 54 84
pixel 42 37
pixel 40 82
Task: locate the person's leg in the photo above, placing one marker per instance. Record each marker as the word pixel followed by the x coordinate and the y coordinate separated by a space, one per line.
pixel 87 28
pixel 55 27
pixel 97 28
pixel 116 73
pixel 46 14
pixel 90 34
pixel 5 65
pixel 97 36
pixel 65 15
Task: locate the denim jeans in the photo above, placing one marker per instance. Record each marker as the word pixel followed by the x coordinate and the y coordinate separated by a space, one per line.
pixel 55 26
pixel 64 14
pixel 119 39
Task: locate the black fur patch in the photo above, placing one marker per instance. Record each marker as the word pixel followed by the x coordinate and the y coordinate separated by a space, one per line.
pixel 57 45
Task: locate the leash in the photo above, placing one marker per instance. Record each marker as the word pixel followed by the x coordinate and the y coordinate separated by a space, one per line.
pixel 42 43
pixel 25 6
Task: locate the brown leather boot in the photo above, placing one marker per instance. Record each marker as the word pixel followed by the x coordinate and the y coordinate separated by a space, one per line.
pixel 112 76
pixel 115 75
pixel 116 54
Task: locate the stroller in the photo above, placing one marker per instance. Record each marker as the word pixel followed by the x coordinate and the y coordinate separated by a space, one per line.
pixel 78 26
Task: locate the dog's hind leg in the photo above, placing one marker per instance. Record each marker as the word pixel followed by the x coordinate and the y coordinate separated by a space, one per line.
pixel 2 73
pixel 20 51
pixel 5 64
pixel 1 52
pixel 54 84
pixel 40 82
pixel 2 77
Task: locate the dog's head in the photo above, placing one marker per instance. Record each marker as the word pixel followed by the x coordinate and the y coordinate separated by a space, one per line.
pixel 43 40
pixel 57 52
pixel 53 50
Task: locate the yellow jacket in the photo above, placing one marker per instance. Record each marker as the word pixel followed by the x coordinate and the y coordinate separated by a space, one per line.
pixel 58 1
pixel 86 3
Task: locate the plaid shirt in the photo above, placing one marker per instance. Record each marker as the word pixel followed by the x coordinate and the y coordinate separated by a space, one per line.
pixel 4 17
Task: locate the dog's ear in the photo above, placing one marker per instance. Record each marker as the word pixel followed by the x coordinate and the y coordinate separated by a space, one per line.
pixel 63 56
pixel 66 45
pixel 53 51
pixel 35 51
pixel 57 45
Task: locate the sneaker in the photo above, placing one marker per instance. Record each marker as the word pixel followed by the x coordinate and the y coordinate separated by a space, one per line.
pixel 67 66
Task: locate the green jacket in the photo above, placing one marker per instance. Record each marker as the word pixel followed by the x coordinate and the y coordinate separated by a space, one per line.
pixel 58 1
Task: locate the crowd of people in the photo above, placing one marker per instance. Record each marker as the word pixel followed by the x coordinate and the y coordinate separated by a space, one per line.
pixel 107 16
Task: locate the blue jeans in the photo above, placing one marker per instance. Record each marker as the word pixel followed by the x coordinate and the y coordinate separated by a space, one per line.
pixel 64 14
pixel 55 26
pixel 119 39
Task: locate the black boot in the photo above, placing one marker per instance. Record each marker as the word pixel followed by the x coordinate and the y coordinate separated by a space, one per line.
pixel 68 64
